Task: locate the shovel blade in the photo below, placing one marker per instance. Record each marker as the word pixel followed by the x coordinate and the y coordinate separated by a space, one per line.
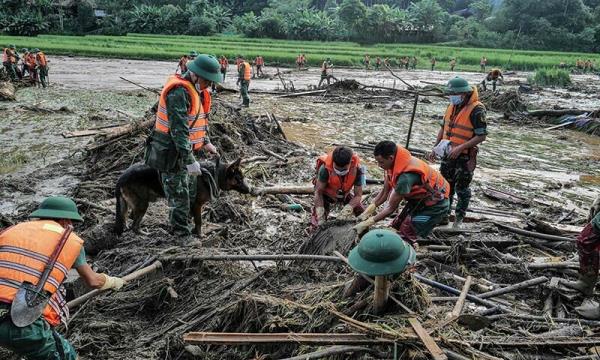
pixel 27 306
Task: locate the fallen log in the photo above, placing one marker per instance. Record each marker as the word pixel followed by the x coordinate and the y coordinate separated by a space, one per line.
pixel 533 234
pixel 335 350
pixel 515 287
pixel 561 112
pixel 303 93
pixel 280 338
pixel 135 275
pixel 256 257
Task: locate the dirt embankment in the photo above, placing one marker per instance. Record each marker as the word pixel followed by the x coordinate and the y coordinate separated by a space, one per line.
pixel 525 174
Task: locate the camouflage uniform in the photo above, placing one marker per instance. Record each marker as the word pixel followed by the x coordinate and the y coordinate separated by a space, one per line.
pixel 588 245
pixel 459 172
pixel 178 185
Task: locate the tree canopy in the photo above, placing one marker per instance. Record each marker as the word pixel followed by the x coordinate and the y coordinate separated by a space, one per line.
pixel 566 25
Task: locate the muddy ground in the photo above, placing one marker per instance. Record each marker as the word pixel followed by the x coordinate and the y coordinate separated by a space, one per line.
pixel 553 173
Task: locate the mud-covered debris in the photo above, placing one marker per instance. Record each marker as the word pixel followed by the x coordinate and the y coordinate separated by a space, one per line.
pixel 507 102
pixel 7 91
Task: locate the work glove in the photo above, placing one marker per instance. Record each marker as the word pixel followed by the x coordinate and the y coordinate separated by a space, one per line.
pixel 361 227
pixel 368 212
pixel 111 282
pixel 595 209
pixel 346 212
pixel 320 215
pixel 194 168
pixel 211 148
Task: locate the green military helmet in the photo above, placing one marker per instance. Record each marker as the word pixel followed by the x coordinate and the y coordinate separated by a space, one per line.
pixel 193 53
pixel 11 46
pixel 57 207
pixel 458 85
pixel 36 50
pixel 381 252
pixel 24 50
pixel 207 67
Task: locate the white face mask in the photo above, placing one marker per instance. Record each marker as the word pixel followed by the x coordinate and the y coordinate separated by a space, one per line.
pixel 342 172
pixel 455 99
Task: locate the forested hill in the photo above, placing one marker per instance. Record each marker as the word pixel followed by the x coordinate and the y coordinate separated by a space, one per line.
pixel 565 25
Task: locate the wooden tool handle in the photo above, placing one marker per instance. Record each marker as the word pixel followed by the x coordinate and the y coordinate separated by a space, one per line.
pixel 134 275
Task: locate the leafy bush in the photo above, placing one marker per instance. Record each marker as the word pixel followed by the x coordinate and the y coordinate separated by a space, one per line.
pixel 551 77
pixel 246 24
pixel 202 25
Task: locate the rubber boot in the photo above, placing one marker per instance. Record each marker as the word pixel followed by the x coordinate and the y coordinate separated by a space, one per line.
pixel 589 309
pixel 445 220
pixel 585 284
pixel 458 220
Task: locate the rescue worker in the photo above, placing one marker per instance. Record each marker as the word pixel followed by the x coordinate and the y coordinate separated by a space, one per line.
pixel 326 73
pixel 244 76
pixel 492 77
pixel 299 61
pixel 238 61
pixel 9 61
pixel 405 62
pixel 386 62
pixel 407 178
pixel 483 63
pixel 340 179
pixel 24 68
pixel 31 65
pixel 42 66
pixel 303 60
pixel 380 252
pixel 588 247
pixel 463 129
pixel 260 63
pixel 377 63
pixel 433 61
pixel 224 62
pixel 180 130
pixel 24 251
pixel 367 61
pixel 413 64
pixel 182 65
pixel 452 64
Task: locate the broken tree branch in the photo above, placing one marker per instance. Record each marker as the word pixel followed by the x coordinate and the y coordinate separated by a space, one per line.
pixel 533 234
pixel 515 287
pixel 461 299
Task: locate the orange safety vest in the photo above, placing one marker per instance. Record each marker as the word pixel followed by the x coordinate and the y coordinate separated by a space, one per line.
pixel 224 63
pixel 40 57
pixel 458 127
pixel 29 59
pixel 433 188
pixel 247 71
pixel 238 62
pixel 298 59
pixel 198 128
pixel 25 249
pixel 260 61
pixel 335 183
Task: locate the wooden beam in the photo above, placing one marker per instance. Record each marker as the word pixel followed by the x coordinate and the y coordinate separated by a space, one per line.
pixel 461 299
pixel 197 338
pixel 381 294
pixel 430 344
pixel 255 257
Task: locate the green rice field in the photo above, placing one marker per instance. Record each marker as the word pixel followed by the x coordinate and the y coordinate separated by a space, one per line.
pixel 284 52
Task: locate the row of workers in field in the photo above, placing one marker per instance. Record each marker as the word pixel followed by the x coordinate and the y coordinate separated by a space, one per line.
pixel 19 65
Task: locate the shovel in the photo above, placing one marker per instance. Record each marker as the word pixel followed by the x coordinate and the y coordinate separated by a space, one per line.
pixel 31 300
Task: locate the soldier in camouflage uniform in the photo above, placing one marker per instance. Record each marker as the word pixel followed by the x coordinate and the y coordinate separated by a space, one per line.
pixel 463 128
pixel 181 128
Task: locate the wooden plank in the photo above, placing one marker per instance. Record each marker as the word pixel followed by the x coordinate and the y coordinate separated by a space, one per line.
pixel 278 338
pixel 381 294
pixel 427 340
pixel 461 299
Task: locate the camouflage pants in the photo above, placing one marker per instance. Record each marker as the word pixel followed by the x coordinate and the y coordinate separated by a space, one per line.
pixel 10 70
pixel 44 75
pixel 38 341
pixel 459 175
pixel 180 191
pixel 244 91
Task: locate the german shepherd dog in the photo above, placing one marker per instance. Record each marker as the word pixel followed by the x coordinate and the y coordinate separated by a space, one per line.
pixel 140 185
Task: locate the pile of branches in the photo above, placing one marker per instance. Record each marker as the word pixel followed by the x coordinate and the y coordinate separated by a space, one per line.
pixel 506 102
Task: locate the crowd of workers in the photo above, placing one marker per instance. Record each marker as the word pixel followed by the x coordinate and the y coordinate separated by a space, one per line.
pixel 32 64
